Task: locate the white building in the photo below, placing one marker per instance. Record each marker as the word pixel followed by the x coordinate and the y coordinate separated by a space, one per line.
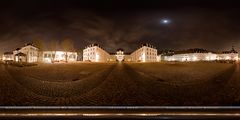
pixel 95 53
pixel 28 53
pixel 8 56
pixel 120 55
pixel 228 55
pixel 127 57
pixel 58 56
pixel 146 53
pixel 159 58
pixel 192 57
pixel 202 56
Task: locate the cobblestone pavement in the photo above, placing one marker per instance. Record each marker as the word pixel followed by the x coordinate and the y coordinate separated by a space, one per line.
pixel 117 84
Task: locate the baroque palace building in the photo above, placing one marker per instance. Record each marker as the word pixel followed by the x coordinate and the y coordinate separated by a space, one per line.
pixel 201 55
pixel 145 53
pixel 95 53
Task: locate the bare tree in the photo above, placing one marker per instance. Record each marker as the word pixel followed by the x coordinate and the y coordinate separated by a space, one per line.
pixel 53 45
pixel 79 54
pixel 67 45
pixel 38 42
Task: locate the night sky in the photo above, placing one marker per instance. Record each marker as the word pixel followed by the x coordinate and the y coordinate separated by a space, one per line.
pixel 122 24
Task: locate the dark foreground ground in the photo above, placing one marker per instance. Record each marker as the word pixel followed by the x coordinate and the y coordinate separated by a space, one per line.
pixel 121 84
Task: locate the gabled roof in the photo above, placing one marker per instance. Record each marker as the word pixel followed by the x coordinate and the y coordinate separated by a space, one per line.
pixel 120 49
pixel 147 45
pixel 20 54
pixel 231 51
pixel 194 50
pixel 128 53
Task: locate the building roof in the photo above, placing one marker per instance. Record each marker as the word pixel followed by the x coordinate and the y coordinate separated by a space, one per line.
pixel 120 49
pixel 112 53
pixel 231 51
pixel 147 45
pixel 94 44
pixel 20 54
pixel 194 50
pixel 128 53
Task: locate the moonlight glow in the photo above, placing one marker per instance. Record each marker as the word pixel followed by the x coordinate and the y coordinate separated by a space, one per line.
pixel 165 21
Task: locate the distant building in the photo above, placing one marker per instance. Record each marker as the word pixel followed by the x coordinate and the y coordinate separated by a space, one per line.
pixel 58 56
pixel 8 56
pixel 228 55
pixel 146 53
pixel 120 55
pixel 200 55
pixel 95 53
pixel 30 53
pixel 191 57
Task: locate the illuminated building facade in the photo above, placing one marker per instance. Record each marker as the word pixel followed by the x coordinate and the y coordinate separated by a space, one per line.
pixel 8 56
pixel 228 55
pixel 120 55
pixel 28 53
pixel 127 57
pixel 202 56
pixel 95 53
pixel 146 53
pixel 58 56
pixel 192 57
pixel 159 58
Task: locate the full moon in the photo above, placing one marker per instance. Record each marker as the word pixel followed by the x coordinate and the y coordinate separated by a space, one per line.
pixel 165 21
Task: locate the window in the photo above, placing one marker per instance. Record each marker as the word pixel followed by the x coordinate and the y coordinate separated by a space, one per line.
pixel 45 55
pixel 49 55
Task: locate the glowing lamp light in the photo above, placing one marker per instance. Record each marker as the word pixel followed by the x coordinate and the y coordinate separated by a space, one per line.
pixel 194 58
pixel 143 57
pixel 227 58
pixel 236 58
pixel 207 58
pixel 60 55
pixel 97 57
